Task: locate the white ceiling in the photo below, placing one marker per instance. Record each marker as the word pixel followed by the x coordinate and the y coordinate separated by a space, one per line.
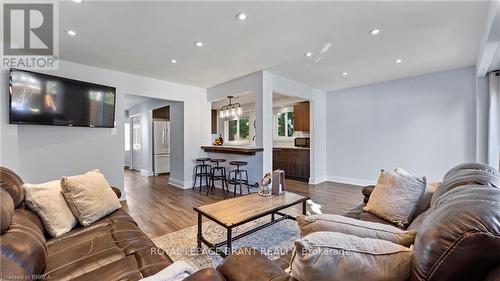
pixel 141 38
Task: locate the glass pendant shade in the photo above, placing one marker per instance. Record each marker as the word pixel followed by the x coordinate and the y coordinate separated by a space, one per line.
pixel 233 112
pixel 221 113
pixel 239 110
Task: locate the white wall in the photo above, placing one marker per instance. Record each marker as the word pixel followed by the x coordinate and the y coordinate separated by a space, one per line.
pixel 425 124
pixel 317 98
pixel 264 85
pixel 42 153
pixel 145 109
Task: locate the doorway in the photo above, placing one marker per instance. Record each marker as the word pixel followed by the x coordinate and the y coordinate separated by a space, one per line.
pixel 136 159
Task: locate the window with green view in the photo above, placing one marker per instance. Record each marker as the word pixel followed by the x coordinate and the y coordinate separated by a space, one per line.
pixel 238 129
pixel 285 124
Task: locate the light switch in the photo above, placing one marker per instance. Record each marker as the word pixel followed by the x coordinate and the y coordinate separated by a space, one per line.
pixel 113 131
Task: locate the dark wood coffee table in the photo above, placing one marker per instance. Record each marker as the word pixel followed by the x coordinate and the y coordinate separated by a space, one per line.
pixel 234 212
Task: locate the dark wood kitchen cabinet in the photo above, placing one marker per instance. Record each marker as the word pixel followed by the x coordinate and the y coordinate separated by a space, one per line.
pixel 301 114
pixel 295 162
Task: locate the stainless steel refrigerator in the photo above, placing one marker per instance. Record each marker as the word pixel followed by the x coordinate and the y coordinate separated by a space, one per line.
pixel 161 146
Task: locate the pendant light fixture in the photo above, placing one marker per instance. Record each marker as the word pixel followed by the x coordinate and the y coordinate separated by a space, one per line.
pixel 231 110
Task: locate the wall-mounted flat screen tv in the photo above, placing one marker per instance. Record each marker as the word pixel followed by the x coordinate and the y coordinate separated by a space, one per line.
pixel 42 99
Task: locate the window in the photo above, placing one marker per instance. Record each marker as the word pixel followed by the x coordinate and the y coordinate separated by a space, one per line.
pixel 238 129
pixel 285 124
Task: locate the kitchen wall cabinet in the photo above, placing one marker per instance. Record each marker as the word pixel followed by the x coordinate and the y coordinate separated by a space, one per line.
pixel 301 116
pixel 295 162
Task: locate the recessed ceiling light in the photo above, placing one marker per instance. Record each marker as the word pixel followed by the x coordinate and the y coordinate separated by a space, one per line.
pixel 344 73
pixel 375 31
pixel 199 44
pixel 71 32
pixel 78 1
pixel 398 61
pixel 317 60
pixel 173 61
pixel 308 54
pixel 241 17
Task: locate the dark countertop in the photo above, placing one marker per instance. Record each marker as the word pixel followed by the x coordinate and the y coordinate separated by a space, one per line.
pixel 242 150
pixel 291 147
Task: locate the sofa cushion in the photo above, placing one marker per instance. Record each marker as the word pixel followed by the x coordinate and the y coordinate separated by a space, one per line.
pixel 466 177
pixel 359 228
pixel 331 256
pixel 395 197
pixel 360 214
pixel 471 167
pixel 48 202
pixel 87 250
pixel 459 239
pixel 24 244
pixel 80 256
pixel 125 268
pixel 425 202
pixel 6 210
pixel 89 196
pixel 13 184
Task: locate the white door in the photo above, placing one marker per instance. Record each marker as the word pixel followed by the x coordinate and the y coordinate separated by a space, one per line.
pixel 136 143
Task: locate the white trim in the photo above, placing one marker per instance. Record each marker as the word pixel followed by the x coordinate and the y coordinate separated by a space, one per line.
pixel 179 183
pixel 317 180
pixel 353 181
pixel 145 173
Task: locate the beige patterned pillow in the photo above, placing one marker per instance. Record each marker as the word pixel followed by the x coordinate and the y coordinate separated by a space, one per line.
pixel 359 228
pixel 47 201
pixel 332 256
pixel 395 197
pixel 89 196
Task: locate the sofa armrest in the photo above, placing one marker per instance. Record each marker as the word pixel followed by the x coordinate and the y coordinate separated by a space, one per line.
pixel 117 191
pixel 248 264
pixel 206 274
pixel 367 191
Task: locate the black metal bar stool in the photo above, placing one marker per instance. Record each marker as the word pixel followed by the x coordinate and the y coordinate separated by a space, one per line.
pixel 221 176
pixel 202 171
pixel 236 179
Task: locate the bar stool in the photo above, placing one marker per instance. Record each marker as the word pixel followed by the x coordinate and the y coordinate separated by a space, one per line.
pixel 237 179
pixel 202 171
pixel 222 175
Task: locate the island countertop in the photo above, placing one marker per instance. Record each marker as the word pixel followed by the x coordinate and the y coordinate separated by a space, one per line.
pixel 242 150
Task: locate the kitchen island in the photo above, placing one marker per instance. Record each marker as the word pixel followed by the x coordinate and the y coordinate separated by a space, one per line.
pixel 248 153
pixel 232 149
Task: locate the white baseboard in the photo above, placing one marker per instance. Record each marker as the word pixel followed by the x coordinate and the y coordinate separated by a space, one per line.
pixel 317 180
pixel 145 173
pixel 353 181
pixel 179 183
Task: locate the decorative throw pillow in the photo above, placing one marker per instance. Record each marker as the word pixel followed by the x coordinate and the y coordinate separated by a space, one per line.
pixel 89 196
pixel 425 201
pixel 332 256
pixel 47 201
pixel 395 197
pixel 359 228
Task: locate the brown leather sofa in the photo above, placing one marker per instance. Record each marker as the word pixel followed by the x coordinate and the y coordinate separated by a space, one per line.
pixel 113 248
pixel 458 237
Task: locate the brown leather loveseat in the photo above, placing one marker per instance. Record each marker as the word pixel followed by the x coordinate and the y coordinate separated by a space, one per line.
pixel 113 248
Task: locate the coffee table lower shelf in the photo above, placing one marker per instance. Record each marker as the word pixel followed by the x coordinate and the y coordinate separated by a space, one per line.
pixel 225 251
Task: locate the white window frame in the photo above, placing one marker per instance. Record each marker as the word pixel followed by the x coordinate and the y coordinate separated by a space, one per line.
pixel 237 136
pixel 276 136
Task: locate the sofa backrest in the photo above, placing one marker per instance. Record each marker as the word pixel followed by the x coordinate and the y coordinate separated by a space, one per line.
pixel 23 248
pixel 459 239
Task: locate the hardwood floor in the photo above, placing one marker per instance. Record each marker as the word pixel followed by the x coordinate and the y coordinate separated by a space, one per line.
pixel 160 208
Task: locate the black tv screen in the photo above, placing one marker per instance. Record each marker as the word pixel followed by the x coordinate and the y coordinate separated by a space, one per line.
pixel 42 99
